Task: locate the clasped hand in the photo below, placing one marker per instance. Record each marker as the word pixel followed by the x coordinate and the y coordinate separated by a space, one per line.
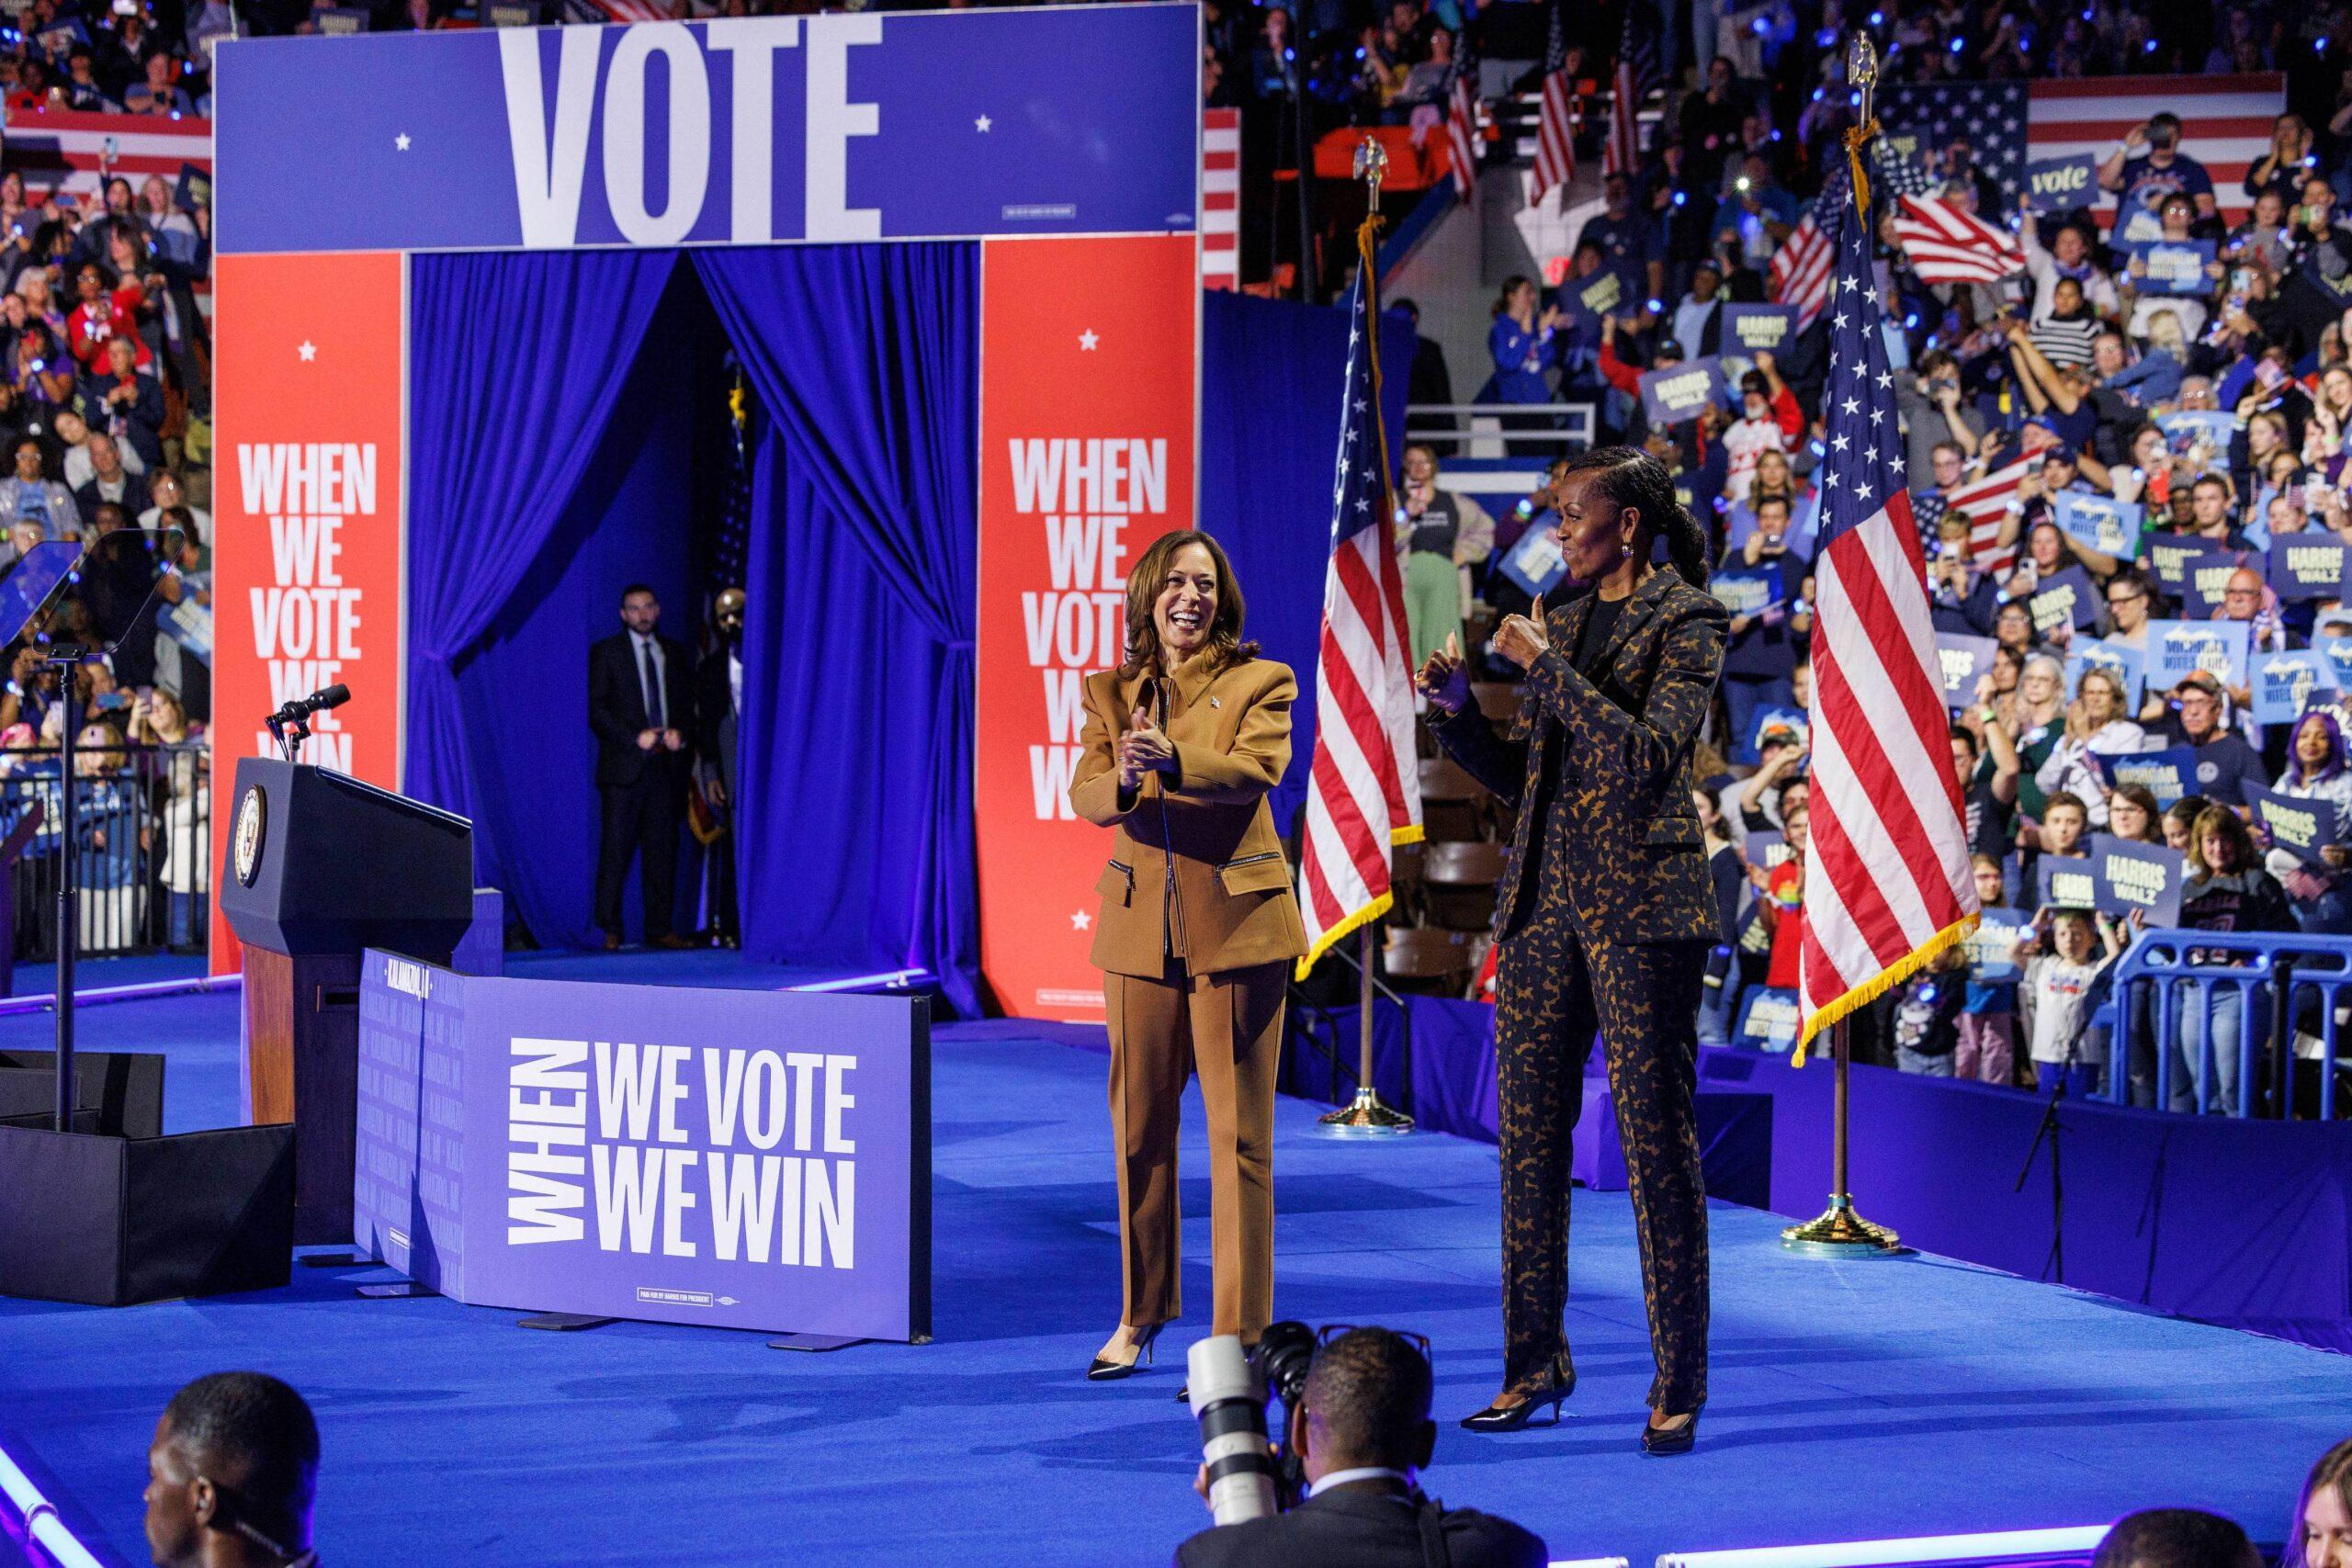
pixel 1143 749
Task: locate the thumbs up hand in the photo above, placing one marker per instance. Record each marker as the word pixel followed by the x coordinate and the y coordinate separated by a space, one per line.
pixel 1522 640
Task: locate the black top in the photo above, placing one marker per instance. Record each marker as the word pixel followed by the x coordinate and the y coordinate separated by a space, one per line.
pixel 1597 625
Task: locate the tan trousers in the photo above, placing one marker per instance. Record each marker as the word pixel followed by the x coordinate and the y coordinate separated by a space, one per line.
pixel 1229 1028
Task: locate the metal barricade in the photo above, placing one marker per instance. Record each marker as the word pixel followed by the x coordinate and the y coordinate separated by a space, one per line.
pixel 144 859
pixel 2273 983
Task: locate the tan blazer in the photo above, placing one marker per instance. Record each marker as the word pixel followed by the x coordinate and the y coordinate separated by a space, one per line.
pixel 1196 868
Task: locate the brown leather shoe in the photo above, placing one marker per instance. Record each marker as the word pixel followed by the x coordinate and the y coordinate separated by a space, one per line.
pixel 672 942
pixel 612 943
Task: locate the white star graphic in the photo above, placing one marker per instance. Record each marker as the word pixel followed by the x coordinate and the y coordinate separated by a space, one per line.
pixel 309 351
pixel 1080 919
pixel 1838 442
pixel 1364 504
pixel 1851 406
pixel 982 124
pixel 1840 321
pixel 1087 340
pixel 1885 379
pixel 400 141
pixel 1862 490
pixel 1829 482
pixel 1852 285
pixel 1870 295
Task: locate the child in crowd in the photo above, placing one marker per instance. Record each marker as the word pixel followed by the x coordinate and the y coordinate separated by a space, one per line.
pixel 2054 999
pixel 1985 1043
pixel 1927 1014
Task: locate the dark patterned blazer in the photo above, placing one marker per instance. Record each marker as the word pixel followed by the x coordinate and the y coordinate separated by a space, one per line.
pixel 1637 867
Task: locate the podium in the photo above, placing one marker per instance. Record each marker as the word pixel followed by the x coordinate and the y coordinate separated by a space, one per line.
pixel 320 867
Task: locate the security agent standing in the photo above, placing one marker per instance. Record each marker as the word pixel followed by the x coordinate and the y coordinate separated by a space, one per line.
pixel 640 704
pixel 719 705
pixel 1362 1433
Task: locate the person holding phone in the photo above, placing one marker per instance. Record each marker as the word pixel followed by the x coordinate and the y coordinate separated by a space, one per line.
pixel 1442 535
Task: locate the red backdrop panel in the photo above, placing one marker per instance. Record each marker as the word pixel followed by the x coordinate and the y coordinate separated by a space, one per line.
pixel 1089 404
pixel 306 506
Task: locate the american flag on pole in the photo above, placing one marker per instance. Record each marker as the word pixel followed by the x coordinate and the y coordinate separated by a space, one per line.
pixel 1622 154
pixel 1555 130
pixel 1363 789
pixel 1887 884
pixel 1462 136
pixel 1799 274
pixel 1946 244
pixel 2226 122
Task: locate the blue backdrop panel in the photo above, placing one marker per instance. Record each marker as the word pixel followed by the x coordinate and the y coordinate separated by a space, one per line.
pixel 1271 375
pixel 942 125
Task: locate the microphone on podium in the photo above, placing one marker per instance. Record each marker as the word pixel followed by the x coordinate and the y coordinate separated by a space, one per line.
pixel 300 708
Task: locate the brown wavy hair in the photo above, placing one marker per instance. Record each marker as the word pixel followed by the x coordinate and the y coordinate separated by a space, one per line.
pixel 1144 582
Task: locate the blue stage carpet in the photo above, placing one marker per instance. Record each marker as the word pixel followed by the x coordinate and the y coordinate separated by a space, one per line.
pixel 1850 1400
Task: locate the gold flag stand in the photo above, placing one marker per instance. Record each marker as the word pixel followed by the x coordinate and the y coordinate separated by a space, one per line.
pixel 1369 1116
pixel 1839 1232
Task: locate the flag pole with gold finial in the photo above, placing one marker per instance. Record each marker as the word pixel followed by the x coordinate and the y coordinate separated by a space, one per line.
pixel 1838 1232
pixel 1368 1114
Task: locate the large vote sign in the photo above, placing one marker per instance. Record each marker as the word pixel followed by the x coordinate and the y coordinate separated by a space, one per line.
pixel 738 130
pixel 742 1159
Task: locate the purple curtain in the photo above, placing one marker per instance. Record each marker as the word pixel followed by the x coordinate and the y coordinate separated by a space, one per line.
pixel 515 366
pixel 865 358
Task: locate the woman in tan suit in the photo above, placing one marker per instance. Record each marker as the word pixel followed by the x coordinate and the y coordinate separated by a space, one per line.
pixel 1198 927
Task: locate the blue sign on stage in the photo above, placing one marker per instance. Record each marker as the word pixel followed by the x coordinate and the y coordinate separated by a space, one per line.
pixel 740 130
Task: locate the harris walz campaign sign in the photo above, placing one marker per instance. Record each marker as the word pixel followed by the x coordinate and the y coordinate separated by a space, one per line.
pixel 741 1159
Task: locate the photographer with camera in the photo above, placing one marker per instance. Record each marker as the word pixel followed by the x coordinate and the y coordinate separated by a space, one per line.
pixel 1359 1434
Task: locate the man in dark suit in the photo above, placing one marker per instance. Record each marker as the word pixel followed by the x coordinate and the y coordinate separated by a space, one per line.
pixel 1361 1430
pixel 640 705
pixel 719 701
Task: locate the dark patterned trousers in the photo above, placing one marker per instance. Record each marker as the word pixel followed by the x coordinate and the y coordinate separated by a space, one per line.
pixel 1553 992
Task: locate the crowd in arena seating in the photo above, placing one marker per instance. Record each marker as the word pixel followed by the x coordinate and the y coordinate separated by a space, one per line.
pixel 2208 427
pixel 105 406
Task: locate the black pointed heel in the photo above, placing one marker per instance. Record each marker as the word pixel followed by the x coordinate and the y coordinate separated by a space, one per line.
pixel 1501 1418
pixel 1103 1370
pixel 1660 1441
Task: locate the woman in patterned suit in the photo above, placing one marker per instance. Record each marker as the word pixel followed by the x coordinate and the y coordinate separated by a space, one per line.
pixel 1604 917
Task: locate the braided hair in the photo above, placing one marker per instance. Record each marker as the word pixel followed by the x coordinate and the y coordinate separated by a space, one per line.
pixel 1631 478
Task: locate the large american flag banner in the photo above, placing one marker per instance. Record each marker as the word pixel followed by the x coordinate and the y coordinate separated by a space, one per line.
pixel 1220 199
pixel 62 150
pixel 1985 504
pixel 1800 270
pixel 1887 884
pixel 1363 789
pixel 2225 123
pixel 1948 244
pixel 1555 130
pixel 1462 136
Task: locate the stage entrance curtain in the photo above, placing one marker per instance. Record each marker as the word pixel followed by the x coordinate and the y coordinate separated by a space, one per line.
pixel 517 362
pixel 865 359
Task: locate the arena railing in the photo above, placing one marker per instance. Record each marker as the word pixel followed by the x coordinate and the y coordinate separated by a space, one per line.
pixel 1487 430
pixel 2291 994
pixel 145 860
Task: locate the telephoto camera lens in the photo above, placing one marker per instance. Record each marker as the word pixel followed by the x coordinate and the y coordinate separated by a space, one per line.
pixel 1229 1399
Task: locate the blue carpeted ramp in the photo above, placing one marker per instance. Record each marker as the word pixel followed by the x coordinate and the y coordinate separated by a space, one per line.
pixel 1850 1400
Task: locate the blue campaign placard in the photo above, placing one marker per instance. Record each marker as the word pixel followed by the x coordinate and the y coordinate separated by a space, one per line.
pixel 2173 266
pixel 2177 649
pixel 1960 660
pixel 1747 590
pixel 1768 1021
pixel 835 129
pixel 2286 684
pixel 2061 185
pixel 1535 562
pixel 2339 653
pixel 2178 561
pixel 1585 300
pixel 2065 883
pixel 2064 598
pixel 2167 774
pixel 2126 664
pixel 2146 877
pixel 1750 330
pixel 2193 430
pixel 1766 848
pixel 2302 824
pixel 1679 392
pixel 2307 566
pixel 1992 946
pixel 2098 522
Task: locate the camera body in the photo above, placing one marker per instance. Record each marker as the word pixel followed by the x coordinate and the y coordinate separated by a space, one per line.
pixel 1229 1392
